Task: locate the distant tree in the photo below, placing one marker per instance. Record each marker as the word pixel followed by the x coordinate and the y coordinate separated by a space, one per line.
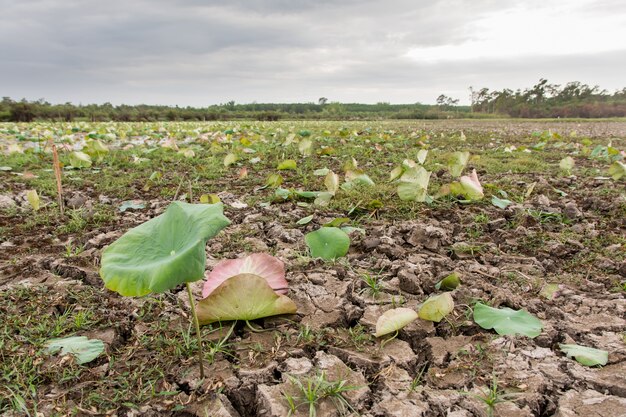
pixel 445 101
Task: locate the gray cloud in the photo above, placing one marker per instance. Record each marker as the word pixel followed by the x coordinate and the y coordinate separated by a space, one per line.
pixel 195 52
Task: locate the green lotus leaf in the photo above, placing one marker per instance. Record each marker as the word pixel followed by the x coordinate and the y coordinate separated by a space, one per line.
pixel 437 307
pixel 288 164
pixel 393 320
pixel 163 252
pixel 413 185
pixel 507 321
pixel 243 297
pixel 449 283
pixel 84 350
pixel 328 243
pixel 585 355
pixel 80 159
pixel 457 163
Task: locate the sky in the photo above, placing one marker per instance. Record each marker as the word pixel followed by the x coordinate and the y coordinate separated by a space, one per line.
pixel 203 52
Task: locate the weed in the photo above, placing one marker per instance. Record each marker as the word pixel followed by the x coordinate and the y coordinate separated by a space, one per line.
pixel 359 336
pixel 419 378
pixel 494 396
pixel 373 282
pixel 312 390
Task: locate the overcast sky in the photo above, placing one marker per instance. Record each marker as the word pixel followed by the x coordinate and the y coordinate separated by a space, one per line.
pixel 201 52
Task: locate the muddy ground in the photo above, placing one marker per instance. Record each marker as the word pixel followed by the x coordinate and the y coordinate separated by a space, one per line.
pixel 569 231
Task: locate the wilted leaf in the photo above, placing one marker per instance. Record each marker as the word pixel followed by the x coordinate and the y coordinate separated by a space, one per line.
pixel 264 265
pixel 617 170
pixel 393 320
pixel 328 243
pixel 305 220
pixel 500 202
pixel 96 149
pixel 274 180
pixel 323 199
pixel 132 205
pixel 331 182
pixel 84 350
pixel 457 163
pixel 550 291
pixel 585 355
pixel 243 297
pixel 210 199
pixel 321 172
pixel 289 164
pixel 437 307
pixel 567 164
pixel 507 321
pixel 449 283
pixel 421 156
pixel 80 159
pixel 413 185
pixel 305 147
pixel 33 199
pixel 472 189
pixel 395 173
pixel 230 159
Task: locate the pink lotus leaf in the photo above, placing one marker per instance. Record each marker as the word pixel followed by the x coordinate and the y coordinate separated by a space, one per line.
pixel 261 264
pixel 471 186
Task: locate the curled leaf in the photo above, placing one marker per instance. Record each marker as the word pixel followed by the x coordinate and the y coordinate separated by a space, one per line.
pixel 394 320
pixel 243 297
pixel 261 264
pixel 437 307
pixel 471 186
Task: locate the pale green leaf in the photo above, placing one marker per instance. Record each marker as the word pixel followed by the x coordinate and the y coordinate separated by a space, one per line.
pixel 82 349
pixel 585 355
pixel 393 320
pixel 243 297
pixel 33 199
pixel 437 307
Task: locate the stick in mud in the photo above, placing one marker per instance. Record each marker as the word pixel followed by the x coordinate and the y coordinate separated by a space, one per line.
pixel 57 174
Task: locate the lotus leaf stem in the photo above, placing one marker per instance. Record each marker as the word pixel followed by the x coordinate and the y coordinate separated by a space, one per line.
pixel 198 334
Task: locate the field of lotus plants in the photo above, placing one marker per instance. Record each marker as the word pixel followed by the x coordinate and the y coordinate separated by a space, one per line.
pixel 378 269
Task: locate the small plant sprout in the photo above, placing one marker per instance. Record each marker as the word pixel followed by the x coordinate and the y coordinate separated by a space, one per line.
pixel 311 391
pixel 391 321
pixel 494 396
pixel 164 252
pixel 373 282
pixel 245 289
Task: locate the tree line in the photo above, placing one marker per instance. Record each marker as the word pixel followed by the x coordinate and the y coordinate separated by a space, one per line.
pixel 574 99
